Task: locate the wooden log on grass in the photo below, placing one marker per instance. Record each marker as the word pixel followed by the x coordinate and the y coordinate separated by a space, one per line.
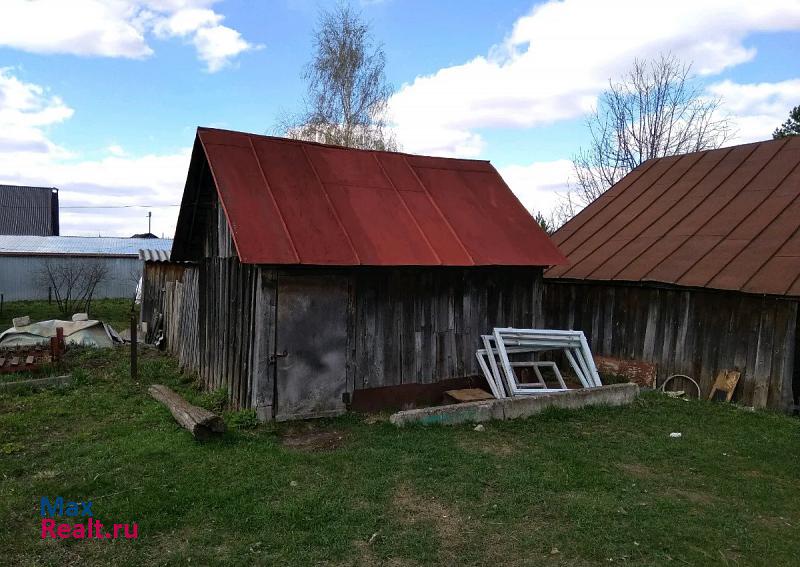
pixel 200 422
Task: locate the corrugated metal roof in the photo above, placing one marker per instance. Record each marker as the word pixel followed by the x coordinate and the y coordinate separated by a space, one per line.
pixel 153 255
pixel 28 210
pixel 722 219
pixel 78 245
pixel 292 202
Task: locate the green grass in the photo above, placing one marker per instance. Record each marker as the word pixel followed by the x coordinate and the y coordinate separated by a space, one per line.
pixel 562 488
pixel 115 312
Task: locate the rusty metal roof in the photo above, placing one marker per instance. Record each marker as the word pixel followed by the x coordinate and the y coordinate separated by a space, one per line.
pixel 293 202
pixel 723 219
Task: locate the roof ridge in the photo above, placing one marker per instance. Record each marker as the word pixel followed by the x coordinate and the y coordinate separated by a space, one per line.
pixel 300 142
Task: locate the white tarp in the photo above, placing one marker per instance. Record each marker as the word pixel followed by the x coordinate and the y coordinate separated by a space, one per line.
pixel 88 333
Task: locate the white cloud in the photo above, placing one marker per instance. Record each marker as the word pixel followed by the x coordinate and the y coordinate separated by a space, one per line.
pixel 119 28
pixel 28 156
pixel 539 185
pixel 757 109
pixel 557 59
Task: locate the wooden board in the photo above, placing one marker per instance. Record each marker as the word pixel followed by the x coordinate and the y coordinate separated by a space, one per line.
pixel 468 395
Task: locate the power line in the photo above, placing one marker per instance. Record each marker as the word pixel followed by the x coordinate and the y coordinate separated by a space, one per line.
pixel 89 207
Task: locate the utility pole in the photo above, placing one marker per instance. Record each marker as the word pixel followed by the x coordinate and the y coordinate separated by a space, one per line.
pixel 149 217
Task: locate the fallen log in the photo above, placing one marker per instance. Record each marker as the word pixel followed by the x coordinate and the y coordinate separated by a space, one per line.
pixel 200 422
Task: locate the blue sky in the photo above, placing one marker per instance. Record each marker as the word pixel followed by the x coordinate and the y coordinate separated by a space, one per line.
pixel 107 110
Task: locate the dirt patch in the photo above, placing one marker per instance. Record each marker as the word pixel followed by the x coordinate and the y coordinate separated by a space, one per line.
pixel 636 470
pixel 413 509
pixel 312 441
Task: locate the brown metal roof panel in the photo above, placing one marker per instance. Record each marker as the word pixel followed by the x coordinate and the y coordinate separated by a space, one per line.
pixel 725 168
pixel 775 277
pixel 622 257
pixel 760 249
pixel 599 228
pixel 663 206
pixel 710 265
pixel 742 208
pixel 682 258
pixel 637 209
pixel 795 289
pixel 760 217
pixel 638 268
pixel 594 259
pixel 247 201
pixel 304 206
pixel 792 246
pixel 562 235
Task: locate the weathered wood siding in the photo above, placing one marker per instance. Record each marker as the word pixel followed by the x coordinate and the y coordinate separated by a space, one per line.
pixel 155 277
pixel 404 325
pixel 693 332
pixel 423 325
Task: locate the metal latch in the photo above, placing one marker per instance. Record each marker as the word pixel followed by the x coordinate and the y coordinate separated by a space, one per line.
pixel 273 358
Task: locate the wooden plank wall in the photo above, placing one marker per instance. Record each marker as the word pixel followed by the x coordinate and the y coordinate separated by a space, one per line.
pixel 226 323
pixel 693 332
pixel 405 325
pixel 155 277
pixel 423 325
pixel 210 323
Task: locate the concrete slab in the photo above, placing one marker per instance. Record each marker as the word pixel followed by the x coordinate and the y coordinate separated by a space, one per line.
pixel 519 407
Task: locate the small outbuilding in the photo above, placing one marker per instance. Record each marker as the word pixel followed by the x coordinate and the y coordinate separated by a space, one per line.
pixel 326 278
pixel 692 262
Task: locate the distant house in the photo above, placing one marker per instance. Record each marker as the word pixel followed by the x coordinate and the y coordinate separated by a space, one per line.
pixel 29 210
pixel 327 277
pixel 23 257
pixel 693 262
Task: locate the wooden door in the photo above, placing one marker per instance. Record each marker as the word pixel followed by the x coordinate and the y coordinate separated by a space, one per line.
pixel 310 346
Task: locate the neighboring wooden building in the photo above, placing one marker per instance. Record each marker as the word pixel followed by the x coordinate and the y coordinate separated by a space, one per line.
pixel 693 262
pixel 327 277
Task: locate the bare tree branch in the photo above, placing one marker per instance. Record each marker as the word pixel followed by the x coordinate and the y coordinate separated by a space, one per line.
pixel 656 109
pixel 73 283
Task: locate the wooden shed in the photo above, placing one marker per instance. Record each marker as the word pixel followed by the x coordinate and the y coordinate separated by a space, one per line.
pixel 327 278
pixel 692 262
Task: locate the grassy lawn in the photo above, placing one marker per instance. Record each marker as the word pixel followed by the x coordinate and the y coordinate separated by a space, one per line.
pixel 563 488
pixel 116 312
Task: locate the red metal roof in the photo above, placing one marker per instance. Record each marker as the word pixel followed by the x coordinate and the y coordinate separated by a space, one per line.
pixel 723 219
pixel 293 202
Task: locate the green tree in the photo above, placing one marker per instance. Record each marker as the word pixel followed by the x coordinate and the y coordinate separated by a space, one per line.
pixel 348 94
pixel 791 127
